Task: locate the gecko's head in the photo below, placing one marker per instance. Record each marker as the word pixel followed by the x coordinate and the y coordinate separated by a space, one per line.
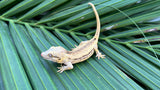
pixel 54 54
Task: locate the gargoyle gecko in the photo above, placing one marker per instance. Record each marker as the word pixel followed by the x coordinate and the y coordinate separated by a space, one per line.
pixel 81 53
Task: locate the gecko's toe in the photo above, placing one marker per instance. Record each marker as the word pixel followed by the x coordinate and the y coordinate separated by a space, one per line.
pixel 75 45
pixel 60 71
pixel 102 56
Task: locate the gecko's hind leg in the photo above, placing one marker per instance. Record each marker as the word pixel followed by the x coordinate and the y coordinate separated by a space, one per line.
pixel 98 54
pixel 67 66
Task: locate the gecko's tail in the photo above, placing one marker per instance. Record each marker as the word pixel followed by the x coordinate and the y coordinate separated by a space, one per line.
pixel 98 21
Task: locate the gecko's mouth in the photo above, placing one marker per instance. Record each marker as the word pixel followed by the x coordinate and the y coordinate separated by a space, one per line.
pixel 49 59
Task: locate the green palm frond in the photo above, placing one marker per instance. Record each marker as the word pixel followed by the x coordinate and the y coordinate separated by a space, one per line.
pixel 129 39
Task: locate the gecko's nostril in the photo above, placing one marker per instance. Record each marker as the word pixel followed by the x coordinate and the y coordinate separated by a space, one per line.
pixel 41 54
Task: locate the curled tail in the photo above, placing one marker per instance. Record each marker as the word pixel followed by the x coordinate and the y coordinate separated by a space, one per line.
pixel 98 21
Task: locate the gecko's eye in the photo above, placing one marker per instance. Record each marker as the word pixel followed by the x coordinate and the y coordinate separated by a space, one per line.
pixel 59 59
pixel 50 55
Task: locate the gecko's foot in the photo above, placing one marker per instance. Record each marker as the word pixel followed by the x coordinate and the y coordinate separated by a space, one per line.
pixel 61 69
pixel 99 55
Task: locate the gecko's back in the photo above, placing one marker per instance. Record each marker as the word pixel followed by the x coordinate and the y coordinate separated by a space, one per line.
pixel 83 51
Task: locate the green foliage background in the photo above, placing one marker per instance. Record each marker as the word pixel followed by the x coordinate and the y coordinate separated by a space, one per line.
pixel 29 27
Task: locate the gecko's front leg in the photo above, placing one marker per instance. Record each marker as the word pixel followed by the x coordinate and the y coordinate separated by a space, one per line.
pixel 66 66
pixel 98 54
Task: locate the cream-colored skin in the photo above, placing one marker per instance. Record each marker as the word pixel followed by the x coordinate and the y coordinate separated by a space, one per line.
pixel 82 52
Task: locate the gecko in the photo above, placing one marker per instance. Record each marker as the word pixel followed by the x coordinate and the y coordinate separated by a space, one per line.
pixel 81 53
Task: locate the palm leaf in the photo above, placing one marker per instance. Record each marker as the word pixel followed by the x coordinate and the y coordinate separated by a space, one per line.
pixel 32 26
